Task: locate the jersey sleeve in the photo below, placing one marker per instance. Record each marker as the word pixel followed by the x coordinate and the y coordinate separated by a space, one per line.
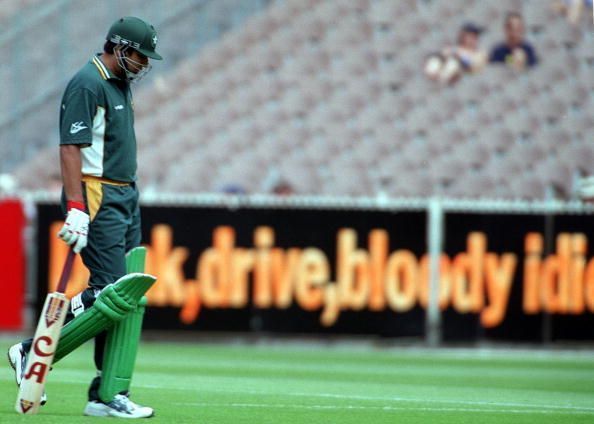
pixel 76 117
pixel 531 54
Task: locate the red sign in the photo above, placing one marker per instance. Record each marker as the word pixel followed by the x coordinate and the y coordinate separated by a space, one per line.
pixel 12 264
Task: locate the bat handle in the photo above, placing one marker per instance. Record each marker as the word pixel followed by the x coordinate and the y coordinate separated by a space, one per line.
pixel 66 271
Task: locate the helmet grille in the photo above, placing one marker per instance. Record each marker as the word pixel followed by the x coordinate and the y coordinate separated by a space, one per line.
pixel 119 40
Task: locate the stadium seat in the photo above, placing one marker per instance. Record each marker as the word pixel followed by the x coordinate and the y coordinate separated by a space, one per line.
pixel 337 86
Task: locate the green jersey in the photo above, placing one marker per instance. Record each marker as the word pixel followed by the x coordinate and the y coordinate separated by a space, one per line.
pixel 98 114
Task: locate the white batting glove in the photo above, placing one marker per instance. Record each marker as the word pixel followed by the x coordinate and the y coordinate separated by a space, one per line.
pixel 75 229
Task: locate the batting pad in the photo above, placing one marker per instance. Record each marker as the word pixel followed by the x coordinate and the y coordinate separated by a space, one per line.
pixel 121 346
pixel 112 305
pixel 135 260
pixel 120 354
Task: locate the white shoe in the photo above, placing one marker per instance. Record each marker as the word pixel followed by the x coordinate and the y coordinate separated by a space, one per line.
pixel 120 407
pixel 18 361
pixel 17 358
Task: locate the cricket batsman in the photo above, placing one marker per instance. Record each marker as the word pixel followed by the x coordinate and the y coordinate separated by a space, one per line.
pixel 100 201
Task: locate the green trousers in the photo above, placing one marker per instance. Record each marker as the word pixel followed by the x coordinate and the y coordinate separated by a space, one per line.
pixel 114 230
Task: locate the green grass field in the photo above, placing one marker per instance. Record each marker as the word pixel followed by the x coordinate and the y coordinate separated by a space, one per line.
pixel 300 383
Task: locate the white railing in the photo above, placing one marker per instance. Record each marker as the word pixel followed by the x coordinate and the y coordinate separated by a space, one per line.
pixel 447 204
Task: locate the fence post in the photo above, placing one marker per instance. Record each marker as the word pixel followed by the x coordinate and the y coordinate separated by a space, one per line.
pixel 549 249
pixel 435 219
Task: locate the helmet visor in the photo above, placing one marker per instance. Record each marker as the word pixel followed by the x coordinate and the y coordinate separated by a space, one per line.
pixel 152 54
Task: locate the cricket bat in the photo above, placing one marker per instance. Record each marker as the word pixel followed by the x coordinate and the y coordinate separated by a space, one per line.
pixel 44 345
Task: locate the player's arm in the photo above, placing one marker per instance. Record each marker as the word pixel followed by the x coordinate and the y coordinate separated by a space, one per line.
pixel 71 165
pixel 76 119
pixel 76 227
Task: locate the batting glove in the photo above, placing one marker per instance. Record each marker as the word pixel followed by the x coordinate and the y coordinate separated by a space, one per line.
pixel 76 228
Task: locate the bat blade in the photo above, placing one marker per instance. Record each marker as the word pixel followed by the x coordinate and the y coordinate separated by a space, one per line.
pixel 42 352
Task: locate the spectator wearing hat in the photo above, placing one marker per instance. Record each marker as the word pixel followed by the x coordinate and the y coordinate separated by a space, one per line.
pixel 453 61
pixel 515 51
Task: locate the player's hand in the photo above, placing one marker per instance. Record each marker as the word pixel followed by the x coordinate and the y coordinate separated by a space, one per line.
pixel 519 59
pixel 76 228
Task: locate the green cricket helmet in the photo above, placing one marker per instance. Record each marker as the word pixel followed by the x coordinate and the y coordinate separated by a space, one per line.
pixel 135 33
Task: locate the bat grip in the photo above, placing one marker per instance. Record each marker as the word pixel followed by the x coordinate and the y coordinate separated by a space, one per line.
pixel 66 271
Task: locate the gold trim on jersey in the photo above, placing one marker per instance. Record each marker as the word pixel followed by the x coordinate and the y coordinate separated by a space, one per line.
pixel 101 67
pixel 101 180
pixel 94 196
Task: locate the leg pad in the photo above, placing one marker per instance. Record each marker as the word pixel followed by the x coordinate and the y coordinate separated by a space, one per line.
pixel 112 305
pixel 122 340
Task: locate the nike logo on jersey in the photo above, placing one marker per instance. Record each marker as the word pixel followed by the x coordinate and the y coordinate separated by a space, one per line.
pixel 77 127
pixel 119 107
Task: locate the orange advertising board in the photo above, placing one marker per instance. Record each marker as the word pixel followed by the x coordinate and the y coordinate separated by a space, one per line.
pixel 362 270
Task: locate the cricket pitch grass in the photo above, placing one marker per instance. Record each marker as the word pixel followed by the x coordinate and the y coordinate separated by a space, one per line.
pixel 300 383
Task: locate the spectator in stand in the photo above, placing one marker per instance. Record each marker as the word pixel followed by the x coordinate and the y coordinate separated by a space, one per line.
pixel 283 188
pixel 453 61
pixel 572 9
pixel 515 51
pixel 585 189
